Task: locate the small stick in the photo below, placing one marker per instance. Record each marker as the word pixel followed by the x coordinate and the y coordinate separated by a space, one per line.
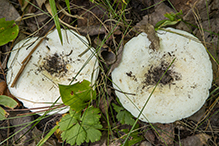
pixel 31 52
pixel 20 71
pixel 27 59
pixel 38 43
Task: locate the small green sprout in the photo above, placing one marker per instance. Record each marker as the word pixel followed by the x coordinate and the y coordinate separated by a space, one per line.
pixel 172 20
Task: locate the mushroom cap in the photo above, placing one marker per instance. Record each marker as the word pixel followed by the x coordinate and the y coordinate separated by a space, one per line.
pixel 51 64
pixel 183 89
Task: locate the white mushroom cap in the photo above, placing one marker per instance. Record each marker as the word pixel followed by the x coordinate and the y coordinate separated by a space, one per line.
pixel 183 89
pixel 51 64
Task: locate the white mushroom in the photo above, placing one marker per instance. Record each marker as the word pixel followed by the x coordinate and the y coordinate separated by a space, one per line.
pixel 51 64
pixel 183 89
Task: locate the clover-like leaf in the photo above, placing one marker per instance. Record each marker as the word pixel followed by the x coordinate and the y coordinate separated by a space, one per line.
pixel 78 95
pixel 77 129
pixel 8 31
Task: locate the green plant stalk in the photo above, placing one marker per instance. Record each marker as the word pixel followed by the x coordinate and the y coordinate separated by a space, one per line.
pixel 146 104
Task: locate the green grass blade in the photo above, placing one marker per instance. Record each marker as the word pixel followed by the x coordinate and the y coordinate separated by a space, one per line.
pixel 56 18
pixel 146 104
pixel 42 141
pixel 68 6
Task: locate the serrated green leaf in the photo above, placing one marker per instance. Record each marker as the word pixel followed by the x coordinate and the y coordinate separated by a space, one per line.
pixel 123 116
pixel 8 101
pixel 8 31
pixel 117 108
pixel 92 114
pixel 56 18
pixel 68 121
pixel 78 95
pixel 74 135
pixel 86 128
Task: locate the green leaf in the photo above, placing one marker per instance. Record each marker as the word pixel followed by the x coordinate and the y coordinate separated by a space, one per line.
pixel 123 116
pixel 78 95
pixel 77 129
pixel 170 16
pixel 3 114
pixel 164 23
pixel 172 20
pixel 56 18
pixel 8 101
pixel 69 120
pixel 8 31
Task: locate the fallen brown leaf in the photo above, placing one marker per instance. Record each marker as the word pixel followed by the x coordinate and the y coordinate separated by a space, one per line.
pixel 3 87
pixel 118 58
pixel 149 135
pixel 40 2
pixel 195 140
pixel 166 133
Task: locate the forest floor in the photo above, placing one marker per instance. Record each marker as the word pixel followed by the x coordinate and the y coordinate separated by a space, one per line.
pixel 115 21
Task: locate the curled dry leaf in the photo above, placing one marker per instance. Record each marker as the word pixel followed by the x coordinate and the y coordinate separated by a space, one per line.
pixel 40 2
pixel 151 35
pixel 108 55
pixel 3 86
pixel 118 58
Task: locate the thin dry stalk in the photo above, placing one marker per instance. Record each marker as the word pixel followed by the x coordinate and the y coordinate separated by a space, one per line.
pixel 19 72
pixel 198 22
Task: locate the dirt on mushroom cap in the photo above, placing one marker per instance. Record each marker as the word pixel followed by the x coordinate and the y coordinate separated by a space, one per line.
pixel 51 64
pixel 182 90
